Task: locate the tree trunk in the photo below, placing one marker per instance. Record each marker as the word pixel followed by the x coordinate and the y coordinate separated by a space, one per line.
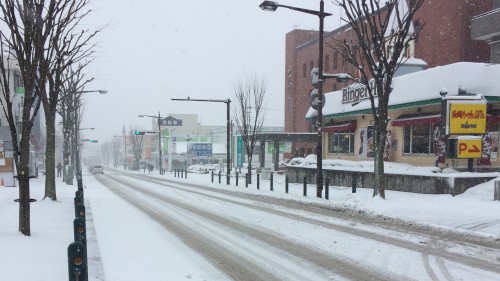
pixel 24 186
pixel 66 155
pixel 249 169
pixel 379 137
pixel 50 156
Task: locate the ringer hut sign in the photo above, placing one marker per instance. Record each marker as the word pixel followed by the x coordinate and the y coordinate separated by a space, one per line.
pixel 467 118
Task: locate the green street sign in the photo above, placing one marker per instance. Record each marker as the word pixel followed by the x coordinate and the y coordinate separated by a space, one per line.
pixel 20 91
pixel 239 153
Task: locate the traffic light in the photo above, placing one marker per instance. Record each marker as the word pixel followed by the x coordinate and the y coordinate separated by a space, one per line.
pixel 139 133
pixel 313 101
pixel 93 141
pixel 315 77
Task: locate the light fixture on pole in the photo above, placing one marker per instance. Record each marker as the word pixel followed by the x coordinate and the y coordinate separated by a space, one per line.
pixel 228 125
pixel 272 6
pixel 159 136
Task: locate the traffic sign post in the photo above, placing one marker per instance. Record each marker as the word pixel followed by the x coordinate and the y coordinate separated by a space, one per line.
pixel 467 147
pixel 465 117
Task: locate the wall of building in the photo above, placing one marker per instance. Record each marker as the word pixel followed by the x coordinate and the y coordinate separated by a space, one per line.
pixel 445 39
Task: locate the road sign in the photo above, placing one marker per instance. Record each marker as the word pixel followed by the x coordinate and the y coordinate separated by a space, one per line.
pixel 200 149
pixel 239 152
pixel 465 148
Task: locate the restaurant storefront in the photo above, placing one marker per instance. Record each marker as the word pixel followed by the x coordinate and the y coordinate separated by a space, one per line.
pixel 414 129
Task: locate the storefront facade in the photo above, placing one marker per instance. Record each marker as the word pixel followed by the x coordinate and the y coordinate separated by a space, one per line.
pixel 414 135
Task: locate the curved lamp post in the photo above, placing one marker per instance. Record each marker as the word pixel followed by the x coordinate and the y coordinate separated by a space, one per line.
pixel 228 119
pixel 272 6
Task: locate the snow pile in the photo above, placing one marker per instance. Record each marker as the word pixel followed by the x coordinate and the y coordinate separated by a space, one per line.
pixel 202 168
pixel 363 166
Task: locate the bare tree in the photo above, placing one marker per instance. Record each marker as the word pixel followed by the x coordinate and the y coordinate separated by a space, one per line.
pixel 70 108
pixel 116 151
pixel 67 46
pixel 383 30
pixel 22 41
pixel 250 93
pixel 137 144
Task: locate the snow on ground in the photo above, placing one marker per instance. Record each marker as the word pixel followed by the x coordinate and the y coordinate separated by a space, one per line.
pixel 45 252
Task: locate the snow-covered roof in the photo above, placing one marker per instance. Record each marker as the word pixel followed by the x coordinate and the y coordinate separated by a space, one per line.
pixel 475 78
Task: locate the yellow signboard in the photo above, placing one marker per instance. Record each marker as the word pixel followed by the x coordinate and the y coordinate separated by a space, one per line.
pixel 467 118
pixel 469 148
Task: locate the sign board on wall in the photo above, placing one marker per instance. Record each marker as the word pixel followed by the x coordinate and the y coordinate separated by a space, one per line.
pixel 200 149
pixel 466 117
pixel 465 147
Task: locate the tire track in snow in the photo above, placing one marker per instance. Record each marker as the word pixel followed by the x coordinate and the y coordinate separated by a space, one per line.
pixel 336 266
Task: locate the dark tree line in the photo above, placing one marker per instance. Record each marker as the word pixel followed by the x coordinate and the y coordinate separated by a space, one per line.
pixel 42 40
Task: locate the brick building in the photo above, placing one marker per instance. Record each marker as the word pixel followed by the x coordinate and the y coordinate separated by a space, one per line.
pixel 445 39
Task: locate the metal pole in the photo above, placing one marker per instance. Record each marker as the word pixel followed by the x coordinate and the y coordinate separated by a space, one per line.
pixel 228 141
pixel 319 148
pixel 159 141
pixel 170 147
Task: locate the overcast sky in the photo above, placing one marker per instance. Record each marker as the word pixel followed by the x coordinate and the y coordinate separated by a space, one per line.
pixel 155 50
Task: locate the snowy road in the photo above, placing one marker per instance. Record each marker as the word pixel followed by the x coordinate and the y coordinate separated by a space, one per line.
pixel 249 237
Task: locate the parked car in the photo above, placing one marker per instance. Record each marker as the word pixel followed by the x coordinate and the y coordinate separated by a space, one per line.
pixel 97 169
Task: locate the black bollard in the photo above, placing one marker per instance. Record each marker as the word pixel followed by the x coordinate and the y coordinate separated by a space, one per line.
pixel 80 211
pixel 327 188
pixel 78 200
pixel 77 262
pixel 246 180
pixel 80 231
pixel 219 176
pixel 305 186
pixel 212 176
pixel 354 182
pixel 258 181
pixel 80 183
pixel 186 174
pixel 286 184
pixel 236 178
pixel 271 181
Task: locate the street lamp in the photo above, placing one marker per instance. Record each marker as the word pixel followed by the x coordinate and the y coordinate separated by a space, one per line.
pixel 228 119
pixel 272 6
pixel 159 135
pixel 102 92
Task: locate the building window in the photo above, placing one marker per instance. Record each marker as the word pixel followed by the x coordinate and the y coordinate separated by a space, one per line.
pixel 418 139
pixel 304 70
pixel 327 63
pixel 311 65
pixel 341 142
pixel 335 60
pixel 18 80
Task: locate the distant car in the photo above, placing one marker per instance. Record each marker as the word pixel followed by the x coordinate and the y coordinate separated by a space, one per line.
pixel 97 169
